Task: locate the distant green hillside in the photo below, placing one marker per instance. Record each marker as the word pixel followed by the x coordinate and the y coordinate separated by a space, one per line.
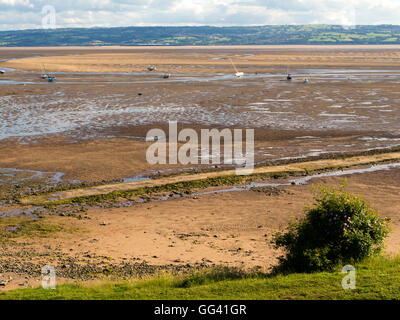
pixel 180 36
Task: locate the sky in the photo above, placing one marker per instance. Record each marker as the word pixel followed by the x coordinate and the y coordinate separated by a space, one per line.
pixel 36 14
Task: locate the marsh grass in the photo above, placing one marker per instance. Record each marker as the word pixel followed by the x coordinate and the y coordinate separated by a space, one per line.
pixel 186 187
pixel 26 227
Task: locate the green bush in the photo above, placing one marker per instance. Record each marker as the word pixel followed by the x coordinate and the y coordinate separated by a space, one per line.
pixel 340 228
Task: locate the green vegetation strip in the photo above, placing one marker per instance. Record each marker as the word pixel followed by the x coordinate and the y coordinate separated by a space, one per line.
pixel 189 185
pixel 179 187
pixel 377 278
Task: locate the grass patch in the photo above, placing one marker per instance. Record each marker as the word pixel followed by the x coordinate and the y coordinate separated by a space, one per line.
pixel 11 228
pixel 377 278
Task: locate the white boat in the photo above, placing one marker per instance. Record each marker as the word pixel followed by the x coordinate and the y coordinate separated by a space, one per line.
pixel 2 72
pixel 237 73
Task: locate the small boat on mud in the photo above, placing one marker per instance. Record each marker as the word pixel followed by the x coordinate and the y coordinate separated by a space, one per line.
pixel 44 75
pixel 237 73
pixel 289 75
pixel 2 72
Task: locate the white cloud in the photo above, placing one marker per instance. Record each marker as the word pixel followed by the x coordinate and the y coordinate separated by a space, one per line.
pixel 20 14
pixel 16 3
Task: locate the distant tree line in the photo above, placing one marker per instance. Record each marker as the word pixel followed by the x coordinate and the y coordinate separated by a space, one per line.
pixel 204 35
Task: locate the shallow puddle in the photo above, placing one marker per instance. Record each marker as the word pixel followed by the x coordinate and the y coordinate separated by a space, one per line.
pixel 18 175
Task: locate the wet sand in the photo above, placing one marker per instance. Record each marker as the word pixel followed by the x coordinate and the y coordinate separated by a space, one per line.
pixel 199 59
pixel 290 119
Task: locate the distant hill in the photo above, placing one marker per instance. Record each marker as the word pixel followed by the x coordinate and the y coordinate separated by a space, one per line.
pixel 205 35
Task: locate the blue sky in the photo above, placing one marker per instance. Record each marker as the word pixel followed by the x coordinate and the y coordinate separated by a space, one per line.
pixel 27 14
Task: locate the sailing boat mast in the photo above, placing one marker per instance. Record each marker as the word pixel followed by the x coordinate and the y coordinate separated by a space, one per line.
pixel 44 74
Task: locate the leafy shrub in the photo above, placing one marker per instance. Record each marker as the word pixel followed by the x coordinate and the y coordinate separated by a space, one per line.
pixel 339 228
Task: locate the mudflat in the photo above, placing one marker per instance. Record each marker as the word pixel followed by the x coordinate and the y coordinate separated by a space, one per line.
pixel 89 129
